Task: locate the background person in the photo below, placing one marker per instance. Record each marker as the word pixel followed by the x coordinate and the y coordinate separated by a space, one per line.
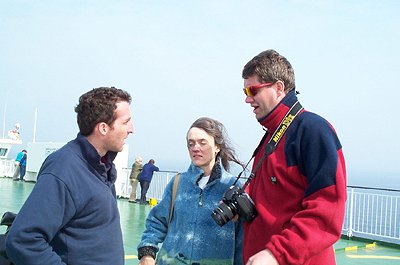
pixel 21 157
pixel 71 215
pixel 137 167
pixel 300 188
pixel 16 170
pixel 145 178
pixel 22 165
pixel 192 236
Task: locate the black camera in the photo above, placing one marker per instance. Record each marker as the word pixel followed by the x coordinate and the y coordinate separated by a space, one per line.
pixel 235 202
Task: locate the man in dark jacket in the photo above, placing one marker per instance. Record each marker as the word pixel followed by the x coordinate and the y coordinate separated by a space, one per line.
pixel 71 215
pixel 145 179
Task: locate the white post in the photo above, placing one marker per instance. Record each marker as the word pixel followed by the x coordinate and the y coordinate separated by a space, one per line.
pixel 34 126
pixel 4 119
pixel 350 231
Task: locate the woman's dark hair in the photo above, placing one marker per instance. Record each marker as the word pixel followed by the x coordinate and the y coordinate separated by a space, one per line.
pixel 218 131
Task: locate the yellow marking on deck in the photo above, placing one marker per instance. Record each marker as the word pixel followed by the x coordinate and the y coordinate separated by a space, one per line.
pixel 351 248
pixel 354 248
pixel 130 257
pixel 370 245
pixel 373 257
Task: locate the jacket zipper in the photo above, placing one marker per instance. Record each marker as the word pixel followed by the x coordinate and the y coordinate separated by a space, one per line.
pixel 201 198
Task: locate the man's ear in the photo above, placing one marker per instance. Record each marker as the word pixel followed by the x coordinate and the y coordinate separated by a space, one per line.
pixel 102 128
pixel 280 88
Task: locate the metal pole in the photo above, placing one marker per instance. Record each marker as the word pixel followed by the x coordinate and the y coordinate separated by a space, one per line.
pixel 350 231
pixel 4 119
pixel 34 126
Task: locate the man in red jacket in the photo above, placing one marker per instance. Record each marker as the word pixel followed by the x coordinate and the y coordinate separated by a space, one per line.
pixel 299 187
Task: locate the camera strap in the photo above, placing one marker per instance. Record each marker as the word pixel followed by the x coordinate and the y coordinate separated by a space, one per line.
pixel 282 128
pixel 275 138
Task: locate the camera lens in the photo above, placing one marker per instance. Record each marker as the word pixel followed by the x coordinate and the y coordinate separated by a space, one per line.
pixel 223 214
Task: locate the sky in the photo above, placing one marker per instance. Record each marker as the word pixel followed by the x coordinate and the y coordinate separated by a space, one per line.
pixel 181 60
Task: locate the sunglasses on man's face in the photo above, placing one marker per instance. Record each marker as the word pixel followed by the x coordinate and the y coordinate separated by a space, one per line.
pixel 251 91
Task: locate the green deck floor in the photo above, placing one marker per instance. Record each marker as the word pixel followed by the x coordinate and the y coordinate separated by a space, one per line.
pixel 348 252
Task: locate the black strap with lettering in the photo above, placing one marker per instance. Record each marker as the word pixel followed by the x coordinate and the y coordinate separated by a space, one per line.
pixel 275 139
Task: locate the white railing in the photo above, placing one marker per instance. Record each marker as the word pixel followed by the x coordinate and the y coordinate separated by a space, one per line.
pixel 6 168
pixel 157 185
pixel 373 214
pixel 156 189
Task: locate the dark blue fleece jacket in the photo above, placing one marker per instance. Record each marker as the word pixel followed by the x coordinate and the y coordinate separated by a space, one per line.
pixel 71 216
pixel 147 172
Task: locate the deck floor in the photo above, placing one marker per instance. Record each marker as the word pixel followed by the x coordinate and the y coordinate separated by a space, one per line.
pixel 348 252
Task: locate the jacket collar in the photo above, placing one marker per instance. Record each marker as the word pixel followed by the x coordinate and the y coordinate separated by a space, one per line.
pixel 103 165
pixel 272 120
pixel 218 172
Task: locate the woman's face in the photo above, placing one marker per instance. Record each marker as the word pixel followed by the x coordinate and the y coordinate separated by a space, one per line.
pixel 202 149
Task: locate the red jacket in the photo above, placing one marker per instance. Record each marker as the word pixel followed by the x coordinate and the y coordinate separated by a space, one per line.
pixel 299 191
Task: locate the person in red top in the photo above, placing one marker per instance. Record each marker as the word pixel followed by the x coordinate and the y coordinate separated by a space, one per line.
pixel 299 188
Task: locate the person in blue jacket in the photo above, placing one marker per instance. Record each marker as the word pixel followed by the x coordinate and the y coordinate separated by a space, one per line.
pixel 20 165
pixel 71 215
pixel 145 178
pixel 191 236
